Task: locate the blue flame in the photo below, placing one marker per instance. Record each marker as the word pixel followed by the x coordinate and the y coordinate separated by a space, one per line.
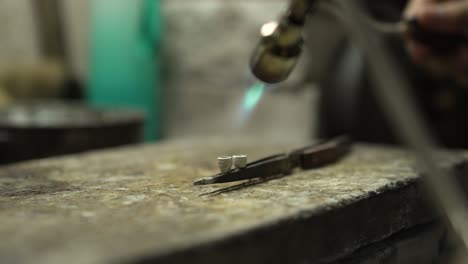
pixel 253 96
pixel 249 102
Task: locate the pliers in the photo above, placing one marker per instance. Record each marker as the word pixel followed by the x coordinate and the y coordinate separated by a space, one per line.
pixel 309 157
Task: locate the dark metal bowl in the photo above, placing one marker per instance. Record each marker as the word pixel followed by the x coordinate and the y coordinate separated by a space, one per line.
pixel 38 129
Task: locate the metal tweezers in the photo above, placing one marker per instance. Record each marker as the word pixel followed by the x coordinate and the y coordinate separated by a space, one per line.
pixel 310 157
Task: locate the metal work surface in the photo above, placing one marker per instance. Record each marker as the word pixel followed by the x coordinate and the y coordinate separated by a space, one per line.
pixel 138 204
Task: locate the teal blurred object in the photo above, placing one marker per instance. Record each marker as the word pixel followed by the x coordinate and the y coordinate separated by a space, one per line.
pixel 126 59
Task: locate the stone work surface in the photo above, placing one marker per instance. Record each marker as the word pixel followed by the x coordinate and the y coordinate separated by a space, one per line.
pixel 138 203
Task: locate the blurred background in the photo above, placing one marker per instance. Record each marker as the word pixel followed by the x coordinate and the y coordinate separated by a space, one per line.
pixel 183 65
pixel 78 75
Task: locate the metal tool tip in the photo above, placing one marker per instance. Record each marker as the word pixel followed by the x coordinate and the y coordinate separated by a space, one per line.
pixel 204 181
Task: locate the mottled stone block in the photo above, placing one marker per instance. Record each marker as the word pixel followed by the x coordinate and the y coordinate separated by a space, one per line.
pixel 138 203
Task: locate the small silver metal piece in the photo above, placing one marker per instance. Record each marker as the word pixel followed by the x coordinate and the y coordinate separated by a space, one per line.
pixel 224 163
pixel 240 161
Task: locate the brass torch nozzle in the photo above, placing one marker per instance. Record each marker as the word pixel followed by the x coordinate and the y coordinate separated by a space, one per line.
pixel 280 45
pixel 277 52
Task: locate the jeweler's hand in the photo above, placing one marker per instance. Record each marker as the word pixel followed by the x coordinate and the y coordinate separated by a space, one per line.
pixel 445 16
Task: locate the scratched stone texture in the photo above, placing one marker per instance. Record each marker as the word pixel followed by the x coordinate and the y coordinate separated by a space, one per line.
pixel 137 202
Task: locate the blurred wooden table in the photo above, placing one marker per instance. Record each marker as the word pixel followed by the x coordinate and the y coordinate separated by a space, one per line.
pixel 138 204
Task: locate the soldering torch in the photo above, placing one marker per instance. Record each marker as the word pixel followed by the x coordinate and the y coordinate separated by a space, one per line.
pixel 280 45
